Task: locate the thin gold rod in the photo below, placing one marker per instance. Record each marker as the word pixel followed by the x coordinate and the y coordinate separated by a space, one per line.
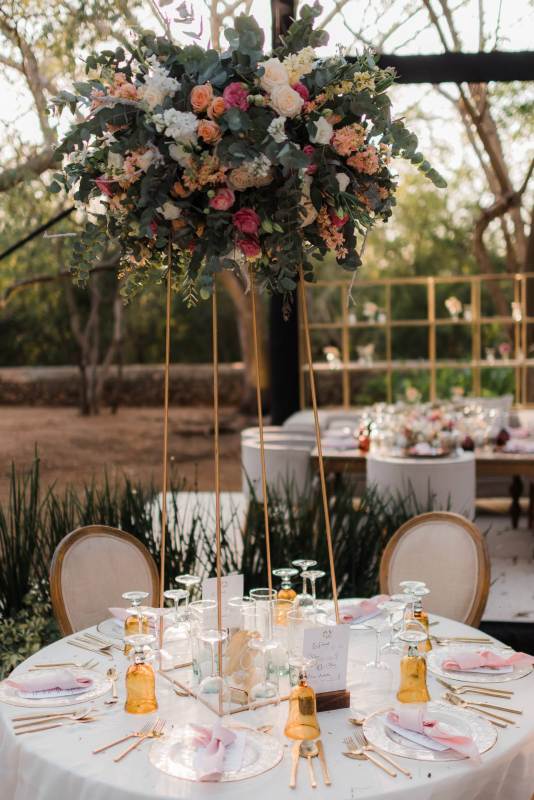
pixel 215 345
pixel 262 441
pixel 165 427
pixel 307 343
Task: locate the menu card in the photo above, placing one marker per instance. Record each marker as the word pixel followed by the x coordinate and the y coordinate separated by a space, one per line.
pixel 329 646
pixel 231 586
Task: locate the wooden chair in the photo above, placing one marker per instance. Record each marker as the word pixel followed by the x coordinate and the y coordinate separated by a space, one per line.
pixel 447 552
pixel 91 568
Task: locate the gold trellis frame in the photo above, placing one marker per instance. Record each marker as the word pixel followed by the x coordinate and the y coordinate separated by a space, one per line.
pixel 181 687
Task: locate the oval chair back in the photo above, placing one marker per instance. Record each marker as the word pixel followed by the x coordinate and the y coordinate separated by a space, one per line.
pixel 449 553
pixel 91 568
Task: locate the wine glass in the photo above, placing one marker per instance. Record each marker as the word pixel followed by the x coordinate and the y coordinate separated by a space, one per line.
pixel 377 674
pixel 189 582
pixel 134 622
pixel 394 608
pixel 176 637
pixel 304 599
pixel 313 575
pixel 286 591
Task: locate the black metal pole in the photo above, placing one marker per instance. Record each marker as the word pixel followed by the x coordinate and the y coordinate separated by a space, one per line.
pixel 283 333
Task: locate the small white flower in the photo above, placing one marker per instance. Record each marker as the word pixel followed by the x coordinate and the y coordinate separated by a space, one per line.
pixel 277 129
pixel 148 158
pixel 343 180
pixel 178 125
pixel 157 85
pixel 170 210
pixel 323 132
pixel 299 64
pixel 115 161
pixel 259 167
pixel 178 153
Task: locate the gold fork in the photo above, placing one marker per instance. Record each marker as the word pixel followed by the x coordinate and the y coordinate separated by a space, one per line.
pixel 357 752
pixel 155 733
pixel 147 727
pixel 457 701
pixel 91 664
pixel 82 646
pixel 361 741
pixel 486 690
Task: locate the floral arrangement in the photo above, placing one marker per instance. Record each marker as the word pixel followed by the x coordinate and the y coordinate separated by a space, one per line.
pixel 226 160
pixel 453 306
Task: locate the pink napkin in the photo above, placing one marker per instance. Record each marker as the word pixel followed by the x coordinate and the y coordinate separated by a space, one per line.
pixel 213 740
pixel 362 609
pixel 468 660
pixel 416 719
pixel 49 679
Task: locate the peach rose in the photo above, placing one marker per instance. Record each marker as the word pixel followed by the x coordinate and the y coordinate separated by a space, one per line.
pixel 200 97
pixel 209 131
pixel 286 101
pixel 179 190
pixel 275 74
pixel 241 179
pixel 216 107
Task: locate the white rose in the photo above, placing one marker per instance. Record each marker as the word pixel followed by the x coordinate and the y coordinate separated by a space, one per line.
pixel 343 181
pixel 275 74
pixel 178 153
pixel 323 132
pixel 145 161
pixel 152 95
pixel 286 101
pixel 170 210
pixel 277 129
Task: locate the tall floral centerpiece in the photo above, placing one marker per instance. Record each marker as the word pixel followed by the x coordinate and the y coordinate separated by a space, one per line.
pixel 240 156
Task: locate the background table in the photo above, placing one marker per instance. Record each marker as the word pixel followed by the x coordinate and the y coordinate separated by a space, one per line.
pixel 58 764
pixel 449 481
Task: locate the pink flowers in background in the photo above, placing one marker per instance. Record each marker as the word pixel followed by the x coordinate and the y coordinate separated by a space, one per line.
pixel 235 95
pixel 246 221
pixel 348 139
pixel 309 149
pixel 302 90
pixel 223 199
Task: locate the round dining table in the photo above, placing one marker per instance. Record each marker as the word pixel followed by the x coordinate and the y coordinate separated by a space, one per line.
pixel 58 764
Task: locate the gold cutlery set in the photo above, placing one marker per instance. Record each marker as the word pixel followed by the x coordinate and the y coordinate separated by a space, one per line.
pixel 312 749
pixel 95 644
pixel 91 664
pixel 32 723
pixel 152 730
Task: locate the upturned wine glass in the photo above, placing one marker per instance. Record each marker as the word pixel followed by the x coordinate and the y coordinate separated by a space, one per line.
pixel 304 598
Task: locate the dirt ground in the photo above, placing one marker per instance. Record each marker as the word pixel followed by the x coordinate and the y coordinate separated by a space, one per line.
pixel 73 448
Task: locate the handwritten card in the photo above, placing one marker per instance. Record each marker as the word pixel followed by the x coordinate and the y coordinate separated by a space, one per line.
pixel 329 646
pixel 231 586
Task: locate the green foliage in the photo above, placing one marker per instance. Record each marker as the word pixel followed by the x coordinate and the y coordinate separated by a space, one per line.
pixel 27 631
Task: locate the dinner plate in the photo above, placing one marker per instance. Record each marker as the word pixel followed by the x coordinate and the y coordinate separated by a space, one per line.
pixel 100 686
pixel 483 733
pixel 175 753
pixel 112 629
pixel 436 657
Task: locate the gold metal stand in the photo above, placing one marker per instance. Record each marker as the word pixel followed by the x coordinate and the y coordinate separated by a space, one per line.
pixel 307 343
pixel 165 432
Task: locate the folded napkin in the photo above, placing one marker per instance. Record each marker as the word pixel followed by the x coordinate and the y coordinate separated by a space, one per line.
pixel 363 609
pixel 211 743
pixel 419 720
pixel 471 660
pixel 47 680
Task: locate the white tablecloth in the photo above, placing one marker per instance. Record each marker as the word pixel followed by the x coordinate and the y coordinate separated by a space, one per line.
pixel 58 764
pixel 452 480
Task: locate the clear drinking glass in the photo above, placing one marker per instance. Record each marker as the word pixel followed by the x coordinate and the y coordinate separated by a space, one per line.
pixel 304 599
pixel 188 582
pixel 377 673
pixel 176 646
pixel 263 598
pixel 313 575
pixel 203 617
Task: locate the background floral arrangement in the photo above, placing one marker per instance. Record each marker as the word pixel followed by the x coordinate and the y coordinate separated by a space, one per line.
pixel 236 157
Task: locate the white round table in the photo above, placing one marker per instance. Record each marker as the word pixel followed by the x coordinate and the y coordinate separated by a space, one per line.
pixel 451 480
pixel 59 765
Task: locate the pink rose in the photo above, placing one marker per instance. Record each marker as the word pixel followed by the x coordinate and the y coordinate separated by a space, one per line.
pixel 105 186
pixel 246 221
pixel 223 200
pixel 309 150
pixel 336 221
pixel 235 96
pixel 249 247
pixel 302 90
pixel 153 228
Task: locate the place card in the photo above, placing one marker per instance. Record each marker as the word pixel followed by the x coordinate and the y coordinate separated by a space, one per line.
pixel 329 646
pixel 231 586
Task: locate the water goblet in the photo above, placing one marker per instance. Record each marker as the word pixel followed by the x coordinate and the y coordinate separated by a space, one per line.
pixel 394 610
pixel 377 673
pixel 286 591
pixel 304 599
pixel 189 582
pixel 214 685
pixel 313 575
pixel 177 636
pixel 134 622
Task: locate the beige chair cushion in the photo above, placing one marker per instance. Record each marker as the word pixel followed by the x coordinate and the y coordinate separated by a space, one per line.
pixel 95 569
pixel 442 552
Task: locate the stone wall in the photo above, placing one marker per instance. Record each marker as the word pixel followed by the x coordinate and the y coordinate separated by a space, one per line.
pixel 142 385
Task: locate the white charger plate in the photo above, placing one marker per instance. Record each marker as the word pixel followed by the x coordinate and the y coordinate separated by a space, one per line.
pixel 483 733
pixel 175 753
pixel 112 629
pixel 101 685
pixel 436 657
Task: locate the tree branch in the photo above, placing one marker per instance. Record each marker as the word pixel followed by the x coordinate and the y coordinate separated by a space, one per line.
pixel 33 280
pixel 32 168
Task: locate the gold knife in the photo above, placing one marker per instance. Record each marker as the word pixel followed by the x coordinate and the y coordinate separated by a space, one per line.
pixel 324 765
pixel 295 755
